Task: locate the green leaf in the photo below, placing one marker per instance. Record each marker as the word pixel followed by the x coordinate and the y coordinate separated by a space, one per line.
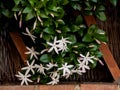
pixel 114 2
pixel 72 38
pixel 64 2
pixel 16 8
pixel 87 38
pixel 43 15
pixel 52 7
pixel 94 1
pixel 32 2
pixel 76 6
pixel 7 13
pixel 92 29
pixel 75 28
pixel 45 58
pixel 46 36
pixel 79 20
pixel 100 31
pixel 100 37
pixel 27 10
pixel 101 16
pixel 17 2
pixel 29 16
pixel 49 30
pixel 65 29
pixel 98 54
pixel 100 8
pixel 93 65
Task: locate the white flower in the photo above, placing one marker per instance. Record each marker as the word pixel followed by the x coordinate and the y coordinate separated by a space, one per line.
pixel 30 35
pixel 78 71
pixel 40 69
pixel 24 78
pixel 64 41
pixel 82 67
pixel 50 65
pixel 63 44
pixel 54 74
pixel 32 52
pixel 54 81
pixel 30 67
pixel 54 46
pixel 66 69
pixel 87 58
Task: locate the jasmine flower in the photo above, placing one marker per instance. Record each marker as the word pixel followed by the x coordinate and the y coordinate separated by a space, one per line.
pixel 87 58
pixel 54 81
pixel 65 68
pixel 82 66
pixel 40 68
pixel 54 74
pixel 50 65
pixel 53 45
pixel 63 44
pixel 32 52
pixel 30 35
pixel 24 78
pixel 30 67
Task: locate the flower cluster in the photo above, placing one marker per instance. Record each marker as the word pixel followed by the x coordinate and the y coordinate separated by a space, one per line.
pixel 67 70
pixel 58 45
pixel 62 45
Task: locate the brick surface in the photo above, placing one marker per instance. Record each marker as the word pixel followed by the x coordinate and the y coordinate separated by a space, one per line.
pixel 57 87
pixel 17 87
pixel 98 87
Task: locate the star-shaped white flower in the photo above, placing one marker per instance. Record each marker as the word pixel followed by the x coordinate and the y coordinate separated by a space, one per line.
pixel 64 41
pixel 87 58
pixel 78 71
pixel 54 46
pixel 32 52
pixel 54 81
pixel 30 67
pixel 41 69
pixel 30 35
pixel 54 74
pixel 62 47
pixel 82 66
pixel 66 69
pixel 63 44
pixel 24 78
pixel 50 65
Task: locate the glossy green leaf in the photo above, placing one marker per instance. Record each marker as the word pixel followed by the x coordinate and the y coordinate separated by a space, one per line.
pixel 87 38
pixel 27 10
pixel 92 29
pixel 100 8
pixel 64 2
pixel 79 20
pixel 17 2
pixel 76 6
pixel 65 29
pixel 29 16
pixel 75 28
pixel 101 16
pixel 7 13
pixel 100 37
pixel 49 30
pixel 114 2
pixel 45 58
pixel 16 8
pixel 94 1
pixel 72 38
